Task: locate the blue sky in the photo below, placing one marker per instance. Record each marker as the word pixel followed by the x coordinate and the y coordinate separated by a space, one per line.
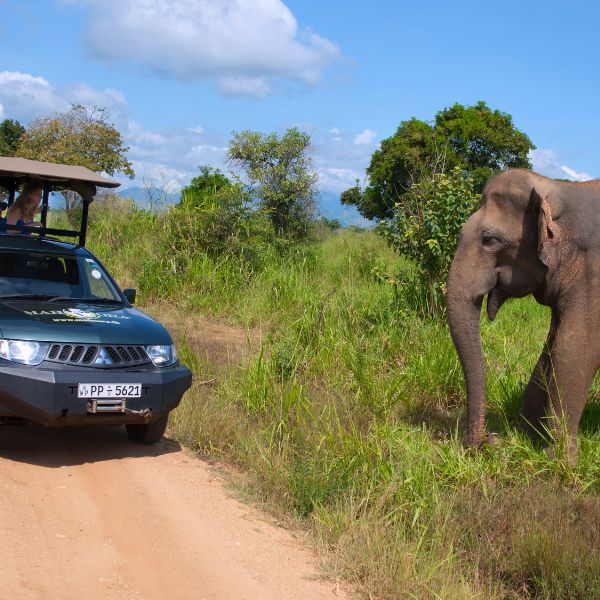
pixel 180 75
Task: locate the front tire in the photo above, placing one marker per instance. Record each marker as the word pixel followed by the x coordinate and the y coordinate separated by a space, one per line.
pixel 149 433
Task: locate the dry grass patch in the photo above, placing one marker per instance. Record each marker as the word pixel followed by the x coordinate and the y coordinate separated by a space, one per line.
pixel 217 344
pixel 542 540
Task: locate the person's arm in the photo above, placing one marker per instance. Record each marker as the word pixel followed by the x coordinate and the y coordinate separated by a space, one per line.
pixel 12 216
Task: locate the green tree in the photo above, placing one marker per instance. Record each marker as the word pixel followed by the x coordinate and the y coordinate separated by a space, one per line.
pixel 426 226
pixel 205 189
pixel 80 136
pixel 484 141
pixel 10 133
pixel 479 140
pixel 280 174
pixel 330 224
pixel 399 161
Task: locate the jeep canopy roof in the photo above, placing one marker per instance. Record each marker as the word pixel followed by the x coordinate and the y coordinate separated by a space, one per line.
pixel 16 171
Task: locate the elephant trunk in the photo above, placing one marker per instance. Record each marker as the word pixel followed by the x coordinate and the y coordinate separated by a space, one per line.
pixel 467 286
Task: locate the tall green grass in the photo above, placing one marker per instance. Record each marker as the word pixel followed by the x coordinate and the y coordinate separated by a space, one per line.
pixel 349 415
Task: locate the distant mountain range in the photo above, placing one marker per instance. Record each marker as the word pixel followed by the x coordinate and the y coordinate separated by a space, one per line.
pixel 328 204
pixel 143 197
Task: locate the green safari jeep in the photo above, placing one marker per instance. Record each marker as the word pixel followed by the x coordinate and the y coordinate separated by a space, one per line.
pixel 73 349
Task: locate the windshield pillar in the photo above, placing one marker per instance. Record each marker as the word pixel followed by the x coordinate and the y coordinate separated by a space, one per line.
pixel 84 221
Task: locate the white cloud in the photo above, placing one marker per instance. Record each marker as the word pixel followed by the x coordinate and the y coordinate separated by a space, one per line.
pixel 546 162
pixel 25 96
pixel 136 134
pixel 339 160
pixel 81 93
pixel 245 44
pixel 334 179
pixel 572 174
pixel 256 87
pixel 341 173
pixel 16 77
pixel 1 111
pixel 336 135
pixel 169 159
pixel 199 129
pixel 366 136
pixel 165 178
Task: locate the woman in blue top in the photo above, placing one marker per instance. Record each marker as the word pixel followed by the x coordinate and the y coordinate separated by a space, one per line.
pixel 26 206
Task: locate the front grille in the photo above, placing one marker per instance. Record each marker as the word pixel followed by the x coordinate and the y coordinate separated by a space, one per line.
pixel 92 355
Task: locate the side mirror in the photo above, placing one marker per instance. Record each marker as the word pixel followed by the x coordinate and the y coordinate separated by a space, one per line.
pixel 129 293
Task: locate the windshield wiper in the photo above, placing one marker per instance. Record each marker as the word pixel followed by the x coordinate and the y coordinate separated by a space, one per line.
pixel 89 299
pixel 27 297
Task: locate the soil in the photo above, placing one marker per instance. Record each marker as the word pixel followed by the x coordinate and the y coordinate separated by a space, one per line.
pixel 87 514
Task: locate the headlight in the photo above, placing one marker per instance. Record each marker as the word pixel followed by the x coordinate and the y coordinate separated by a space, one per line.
pixel 26 353
pixel 162 356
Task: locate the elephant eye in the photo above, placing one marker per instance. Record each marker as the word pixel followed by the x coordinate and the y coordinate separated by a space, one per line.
pixel 489 240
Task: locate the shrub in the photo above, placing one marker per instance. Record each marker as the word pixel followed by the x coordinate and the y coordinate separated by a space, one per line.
pixel 425 227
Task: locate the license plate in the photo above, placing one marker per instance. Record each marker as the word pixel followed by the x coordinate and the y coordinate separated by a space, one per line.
pixel 109 390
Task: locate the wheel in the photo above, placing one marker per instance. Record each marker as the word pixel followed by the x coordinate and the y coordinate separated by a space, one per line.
pixel 148 433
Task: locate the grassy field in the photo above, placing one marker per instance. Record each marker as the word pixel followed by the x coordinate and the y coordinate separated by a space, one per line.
pixel 348 415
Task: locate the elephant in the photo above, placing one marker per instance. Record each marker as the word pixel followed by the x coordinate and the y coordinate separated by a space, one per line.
pixel 532 235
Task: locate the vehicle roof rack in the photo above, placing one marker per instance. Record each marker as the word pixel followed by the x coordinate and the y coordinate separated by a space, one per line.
pixel 16 171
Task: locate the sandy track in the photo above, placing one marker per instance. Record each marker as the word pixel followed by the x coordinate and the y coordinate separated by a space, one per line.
pixel 85 514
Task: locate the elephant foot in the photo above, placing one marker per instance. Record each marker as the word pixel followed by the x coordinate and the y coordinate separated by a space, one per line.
pixel 533 427
pixel 489 439
pixel 568 453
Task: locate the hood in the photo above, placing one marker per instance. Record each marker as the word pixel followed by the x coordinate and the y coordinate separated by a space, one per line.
pixel 79 323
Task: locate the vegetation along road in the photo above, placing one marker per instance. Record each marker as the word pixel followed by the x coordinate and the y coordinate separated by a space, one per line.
pixel 86 514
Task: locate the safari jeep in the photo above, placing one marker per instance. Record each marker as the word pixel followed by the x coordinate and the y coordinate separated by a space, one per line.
pixel 73 349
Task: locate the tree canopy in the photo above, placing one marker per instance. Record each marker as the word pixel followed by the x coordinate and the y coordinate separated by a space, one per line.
pixel 10 133
pixel 280 173
pixel 400 161
pixel 205 188
pixel 80 136
pixel 484 141
pixel 476 139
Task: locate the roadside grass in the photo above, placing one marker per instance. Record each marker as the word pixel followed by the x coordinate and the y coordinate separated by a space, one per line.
pixel 349 416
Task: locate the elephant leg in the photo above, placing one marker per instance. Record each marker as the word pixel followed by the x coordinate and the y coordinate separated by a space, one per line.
pixel 537 393
pixel 572 363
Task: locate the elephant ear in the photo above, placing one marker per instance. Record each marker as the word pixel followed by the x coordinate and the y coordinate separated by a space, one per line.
pixel 549 232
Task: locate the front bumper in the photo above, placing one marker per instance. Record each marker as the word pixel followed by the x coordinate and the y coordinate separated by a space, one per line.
pixel 48 396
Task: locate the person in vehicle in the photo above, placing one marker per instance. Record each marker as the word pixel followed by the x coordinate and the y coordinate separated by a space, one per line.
pixel 26 206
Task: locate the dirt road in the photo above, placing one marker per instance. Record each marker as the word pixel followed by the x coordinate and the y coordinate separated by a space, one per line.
pixel 86 514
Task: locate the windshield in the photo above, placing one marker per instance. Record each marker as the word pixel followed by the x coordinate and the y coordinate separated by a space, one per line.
pixel 52 275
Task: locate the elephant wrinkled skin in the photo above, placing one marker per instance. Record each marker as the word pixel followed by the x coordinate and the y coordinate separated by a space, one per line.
pixel 532 235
